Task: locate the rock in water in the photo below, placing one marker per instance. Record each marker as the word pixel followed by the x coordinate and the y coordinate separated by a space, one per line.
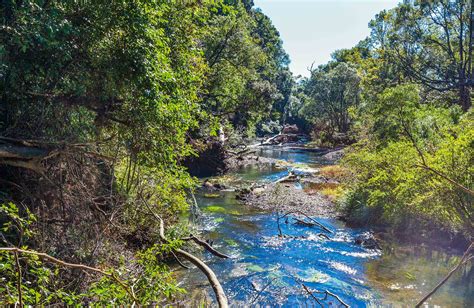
pixel 290 129
pixel 367 240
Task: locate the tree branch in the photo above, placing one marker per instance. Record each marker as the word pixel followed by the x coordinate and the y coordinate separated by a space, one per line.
pixel 215 284
pixel 465 258
pixel 206 246
pixel 51 259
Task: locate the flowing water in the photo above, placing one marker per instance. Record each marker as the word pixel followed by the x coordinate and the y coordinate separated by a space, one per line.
pixel 268 270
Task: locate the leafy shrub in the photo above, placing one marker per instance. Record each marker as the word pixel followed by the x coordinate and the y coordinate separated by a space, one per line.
pixel 411 167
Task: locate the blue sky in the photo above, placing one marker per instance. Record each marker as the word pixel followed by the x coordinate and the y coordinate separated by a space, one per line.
pixel 312 29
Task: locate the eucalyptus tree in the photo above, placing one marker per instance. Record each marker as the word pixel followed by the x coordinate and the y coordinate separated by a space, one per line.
pixel 431 42
pixel 332 91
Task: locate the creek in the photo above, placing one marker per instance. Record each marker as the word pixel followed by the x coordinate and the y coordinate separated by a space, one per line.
pixel 265 269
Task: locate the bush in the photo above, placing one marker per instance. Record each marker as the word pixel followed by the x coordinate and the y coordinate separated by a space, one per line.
pixel 408 170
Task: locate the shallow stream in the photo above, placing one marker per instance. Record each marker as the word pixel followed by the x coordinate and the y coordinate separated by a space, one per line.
pixel 269 270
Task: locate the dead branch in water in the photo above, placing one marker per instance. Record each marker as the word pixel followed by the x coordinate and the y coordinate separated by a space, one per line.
pixel 261 291
pixel 312 295
pixel 309 224
pixel 314 221
pixel 206 246
pixel 465 258
pixel 211 276
pixel 326 294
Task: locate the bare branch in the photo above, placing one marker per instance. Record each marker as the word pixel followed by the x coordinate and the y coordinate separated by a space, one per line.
pixel 465 258
pixel 215 284
pixel 51 259
pixel 18 267
pixel 206 246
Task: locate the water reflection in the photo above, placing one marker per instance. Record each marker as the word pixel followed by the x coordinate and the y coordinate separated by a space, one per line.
pixel 269 270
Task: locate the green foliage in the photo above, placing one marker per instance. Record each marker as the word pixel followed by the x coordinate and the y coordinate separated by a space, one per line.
pixel 41 284
pixel 15 227
pixel 428 41
pixel 152 282
pixel 388 168
pixel 120 90
pixel 328 94
pixel 408 93
pixel 248 75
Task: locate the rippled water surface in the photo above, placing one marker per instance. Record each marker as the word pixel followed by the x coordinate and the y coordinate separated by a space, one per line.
pixel 266 269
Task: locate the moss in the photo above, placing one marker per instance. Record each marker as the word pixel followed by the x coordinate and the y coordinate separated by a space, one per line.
pixel 231 242
pixel 255 268
pixel 220 210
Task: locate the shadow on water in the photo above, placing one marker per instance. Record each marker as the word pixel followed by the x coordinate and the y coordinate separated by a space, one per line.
pixel 266 269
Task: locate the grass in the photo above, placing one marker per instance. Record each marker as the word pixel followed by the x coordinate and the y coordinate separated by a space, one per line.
pixel 330 190
pixel 335 172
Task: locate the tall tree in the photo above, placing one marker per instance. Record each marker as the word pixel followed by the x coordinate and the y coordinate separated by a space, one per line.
pixel 431 42
pixel 332 92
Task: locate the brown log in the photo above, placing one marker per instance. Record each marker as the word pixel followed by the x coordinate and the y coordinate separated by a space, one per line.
pixel 206 246
pixel 215 284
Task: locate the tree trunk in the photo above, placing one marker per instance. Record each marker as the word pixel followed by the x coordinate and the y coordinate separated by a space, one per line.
pixel 465 97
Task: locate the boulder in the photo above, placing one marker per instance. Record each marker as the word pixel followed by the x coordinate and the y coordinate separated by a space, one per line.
pixel 334 155
pixel 290 129
pixel 213 186
pixel 367 240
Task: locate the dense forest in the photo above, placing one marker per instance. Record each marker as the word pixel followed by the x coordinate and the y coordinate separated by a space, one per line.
pixel 109 111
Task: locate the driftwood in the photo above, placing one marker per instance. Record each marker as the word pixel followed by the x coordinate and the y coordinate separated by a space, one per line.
pixel 291 177
pixel 326 294
pixel 314 221
pixel 280 138
pixel 211 276
pixel 206 246
pixel 465 258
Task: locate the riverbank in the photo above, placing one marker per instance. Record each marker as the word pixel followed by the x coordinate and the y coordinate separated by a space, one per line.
pixel 314 194
pixel 243 215
pixel 296 190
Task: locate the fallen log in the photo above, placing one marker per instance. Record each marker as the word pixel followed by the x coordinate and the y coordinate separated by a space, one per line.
pixel 280 138
pixel 29 154
pixel 24 154
pixel 291 177
pixel 206 246
pixel 211 276
pixel 312 220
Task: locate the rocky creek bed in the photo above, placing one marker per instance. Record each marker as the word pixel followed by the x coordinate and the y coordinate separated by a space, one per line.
pixel 273 255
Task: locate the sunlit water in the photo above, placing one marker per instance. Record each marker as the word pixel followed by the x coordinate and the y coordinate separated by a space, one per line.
pixel 265 269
